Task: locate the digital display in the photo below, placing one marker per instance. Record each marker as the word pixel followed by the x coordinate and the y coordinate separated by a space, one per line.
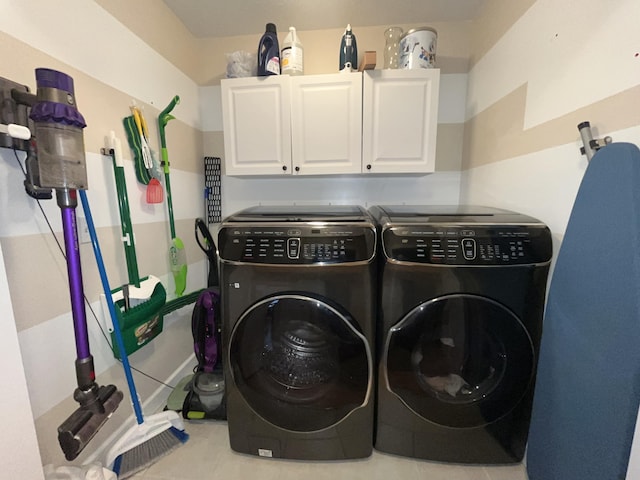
pixel 466 246
pixel 297 246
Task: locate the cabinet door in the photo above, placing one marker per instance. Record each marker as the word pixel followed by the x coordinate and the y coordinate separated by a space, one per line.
pixel 257 125
pixel 400 117
pixel 326 123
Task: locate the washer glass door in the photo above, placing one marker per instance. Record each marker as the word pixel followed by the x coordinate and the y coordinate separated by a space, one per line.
pixel 300 362
pixel 459 360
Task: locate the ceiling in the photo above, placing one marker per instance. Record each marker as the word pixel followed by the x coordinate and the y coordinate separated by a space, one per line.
pixel 224 18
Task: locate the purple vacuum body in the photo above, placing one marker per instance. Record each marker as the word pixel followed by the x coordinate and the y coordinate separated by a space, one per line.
pixel 58 130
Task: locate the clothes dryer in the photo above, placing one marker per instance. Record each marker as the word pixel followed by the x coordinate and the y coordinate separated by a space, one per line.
pixel 298 308
pixel 462 292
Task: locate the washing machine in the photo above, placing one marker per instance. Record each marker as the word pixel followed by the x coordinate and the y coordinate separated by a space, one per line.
pixel 298 308
pixel 462 291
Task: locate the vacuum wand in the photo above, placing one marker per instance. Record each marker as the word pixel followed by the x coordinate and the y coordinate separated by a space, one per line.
pixel 59 163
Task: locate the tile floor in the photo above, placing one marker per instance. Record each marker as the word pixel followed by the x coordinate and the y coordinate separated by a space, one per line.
pixel 207 455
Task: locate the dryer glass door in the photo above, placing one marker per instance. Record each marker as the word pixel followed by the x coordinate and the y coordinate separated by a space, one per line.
pixel 300 362
pixel 459 360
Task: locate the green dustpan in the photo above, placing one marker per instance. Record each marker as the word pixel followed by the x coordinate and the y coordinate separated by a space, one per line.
pixel 139 304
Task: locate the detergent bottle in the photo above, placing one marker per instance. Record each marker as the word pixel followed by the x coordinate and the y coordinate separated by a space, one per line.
pixel 348 51
pixel 292 55
pixel 269 52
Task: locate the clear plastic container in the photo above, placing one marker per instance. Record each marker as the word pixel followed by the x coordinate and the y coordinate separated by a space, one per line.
pixel 392 47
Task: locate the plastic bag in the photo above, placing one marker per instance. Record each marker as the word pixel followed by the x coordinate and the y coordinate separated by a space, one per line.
pixel 242 64
pixel 93 471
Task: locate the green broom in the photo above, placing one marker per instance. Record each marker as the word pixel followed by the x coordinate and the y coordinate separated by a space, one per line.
pixel 153 437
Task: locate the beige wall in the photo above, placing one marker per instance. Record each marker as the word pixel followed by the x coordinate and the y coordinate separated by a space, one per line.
pixel 529 88
pixel 204 60
pixel 496 18
pixel 322 47
pixel 498 133
pixel 103 108
pixel 493 141
pixel 36 271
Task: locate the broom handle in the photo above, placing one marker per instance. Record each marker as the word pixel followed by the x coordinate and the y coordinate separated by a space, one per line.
pixel 167 182
pixel 112 309
pixel 115 151
pixel 126 227
pixel 163 119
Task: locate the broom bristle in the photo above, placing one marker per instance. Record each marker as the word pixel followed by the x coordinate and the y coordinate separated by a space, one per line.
pixel 147 453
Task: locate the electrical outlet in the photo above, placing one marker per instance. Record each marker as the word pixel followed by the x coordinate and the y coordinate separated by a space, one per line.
pixel 83 230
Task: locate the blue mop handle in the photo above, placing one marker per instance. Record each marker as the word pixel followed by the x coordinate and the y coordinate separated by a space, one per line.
pixel 112 308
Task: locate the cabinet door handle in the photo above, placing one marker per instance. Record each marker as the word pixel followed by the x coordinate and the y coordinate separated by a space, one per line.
pixel 284 168
pixel 297 169
pixel 369 167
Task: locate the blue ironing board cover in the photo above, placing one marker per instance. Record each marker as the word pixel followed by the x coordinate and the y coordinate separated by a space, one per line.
pixel 588 384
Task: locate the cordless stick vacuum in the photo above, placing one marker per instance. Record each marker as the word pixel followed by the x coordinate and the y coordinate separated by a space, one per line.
pixel 59 163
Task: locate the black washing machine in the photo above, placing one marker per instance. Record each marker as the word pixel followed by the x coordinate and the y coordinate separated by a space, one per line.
pixel 462 292
pixel 298 307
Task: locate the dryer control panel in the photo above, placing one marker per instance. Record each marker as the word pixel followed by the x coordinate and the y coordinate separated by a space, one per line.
pixel 472 245
pixel 297 245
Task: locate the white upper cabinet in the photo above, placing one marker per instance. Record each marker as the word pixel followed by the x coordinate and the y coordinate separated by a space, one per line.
pixel 326 123
pixel 382 121
pixel 400 117
pixel 257 125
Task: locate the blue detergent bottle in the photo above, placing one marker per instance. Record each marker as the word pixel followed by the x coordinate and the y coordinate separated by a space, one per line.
pixel 269 52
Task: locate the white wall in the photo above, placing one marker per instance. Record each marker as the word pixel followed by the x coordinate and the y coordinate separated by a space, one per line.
pixel 573 56
pixel 106 58
pixel 20 453
pixel 78 37
pixel 570 54
pixel 442 187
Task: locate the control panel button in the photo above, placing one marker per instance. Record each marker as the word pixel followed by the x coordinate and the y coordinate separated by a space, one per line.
pixel 469 248
pixel 293 247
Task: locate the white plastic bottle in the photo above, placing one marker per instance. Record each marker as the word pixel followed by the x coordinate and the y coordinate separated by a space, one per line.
pixel 292 54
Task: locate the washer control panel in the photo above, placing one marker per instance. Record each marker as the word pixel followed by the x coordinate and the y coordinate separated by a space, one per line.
pixel 297 244
pixel 475 245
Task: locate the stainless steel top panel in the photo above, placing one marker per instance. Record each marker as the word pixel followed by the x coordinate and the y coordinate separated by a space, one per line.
pixel 387 215
pixel 301 214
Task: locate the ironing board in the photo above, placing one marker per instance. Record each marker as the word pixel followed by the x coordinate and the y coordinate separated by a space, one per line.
pixel 588 384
